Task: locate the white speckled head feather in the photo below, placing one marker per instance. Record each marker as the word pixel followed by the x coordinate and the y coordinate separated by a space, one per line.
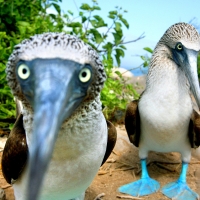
pixel 179 32
pixel 55 45
pixel 184 33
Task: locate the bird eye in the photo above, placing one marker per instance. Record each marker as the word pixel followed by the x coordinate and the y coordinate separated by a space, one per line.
pixel 23 71
pixel 179 46
pixel 85 75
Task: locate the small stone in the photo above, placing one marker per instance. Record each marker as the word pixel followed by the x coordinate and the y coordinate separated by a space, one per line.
pixel 2 194
pixel 197 173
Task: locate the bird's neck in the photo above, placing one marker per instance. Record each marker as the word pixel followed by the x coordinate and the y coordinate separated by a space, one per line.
pixel 164 74
pixel 165 80
pixel 93 107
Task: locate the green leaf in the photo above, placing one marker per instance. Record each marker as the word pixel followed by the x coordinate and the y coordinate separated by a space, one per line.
pixel 124 22
pixel 145 64
pixel 96 8
pixel 74 24
pixel 114 12
pixel 118 73
pixel 71 13
pixel 57 7
pixel 93 22
pixel 85 6
pixel 123 47
pixel 108 47
pixel 97 36
pixel 118 26
pixel 84 19
pixel 118 38
pixel 119 53
pixel 99 21
pixel 53 16
pixel 148 49
pixel 4 124
pixel 23 23
pixel 111 16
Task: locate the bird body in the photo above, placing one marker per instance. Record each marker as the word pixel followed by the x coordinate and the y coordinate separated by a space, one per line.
pixel 168 104
pixel 163 119
pixel 75 160
pixel 60 138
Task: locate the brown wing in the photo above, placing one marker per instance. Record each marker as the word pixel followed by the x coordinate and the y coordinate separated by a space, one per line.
pixel 15 152
pixel 132 122
pixel 194 130
pixel 112 138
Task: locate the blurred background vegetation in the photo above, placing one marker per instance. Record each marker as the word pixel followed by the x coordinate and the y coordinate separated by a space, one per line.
pixel 20 19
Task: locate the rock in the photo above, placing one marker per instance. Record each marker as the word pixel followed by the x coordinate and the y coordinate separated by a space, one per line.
pixel 2 142
pixel 196 153
pixel 125 73
pixel 2 194
pixel 139 82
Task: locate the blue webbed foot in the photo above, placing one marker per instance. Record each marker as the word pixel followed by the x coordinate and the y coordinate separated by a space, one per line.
pixel 142 187
pixel 179 191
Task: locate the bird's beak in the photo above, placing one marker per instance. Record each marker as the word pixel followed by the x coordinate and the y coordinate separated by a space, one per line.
pixel 188 62
pixel 55 99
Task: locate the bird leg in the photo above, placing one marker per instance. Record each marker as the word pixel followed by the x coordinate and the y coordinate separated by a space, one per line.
pixel 142 187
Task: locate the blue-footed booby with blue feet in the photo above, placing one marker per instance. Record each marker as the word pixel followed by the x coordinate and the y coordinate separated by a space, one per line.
pixel 60 138
pixel 163 119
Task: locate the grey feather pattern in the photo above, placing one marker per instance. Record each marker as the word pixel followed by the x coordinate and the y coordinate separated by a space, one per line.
pixel 55 45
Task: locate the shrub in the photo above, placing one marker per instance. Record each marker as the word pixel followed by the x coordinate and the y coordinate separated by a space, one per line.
pixel 22 18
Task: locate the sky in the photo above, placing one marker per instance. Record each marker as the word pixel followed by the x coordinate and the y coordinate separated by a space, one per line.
pixel 144 16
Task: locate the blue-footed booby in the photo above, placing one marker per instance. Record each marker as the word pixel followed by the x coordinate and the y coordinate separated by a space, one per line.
pixel 163 119
pixel 60 138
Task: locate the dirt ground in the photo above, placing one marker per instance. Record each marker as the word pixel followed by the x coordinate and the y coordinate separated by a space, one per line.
pixel 123 167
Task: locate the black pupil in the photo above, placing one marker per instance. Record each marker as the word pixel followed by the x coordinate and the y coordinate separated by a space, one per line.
pixel 179 46
pixel 24 71
pixel 84 74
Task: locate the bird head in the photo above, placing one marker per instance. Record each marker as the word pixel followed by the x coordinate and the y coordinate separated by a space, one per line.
pixel 53 74
pixel 184 42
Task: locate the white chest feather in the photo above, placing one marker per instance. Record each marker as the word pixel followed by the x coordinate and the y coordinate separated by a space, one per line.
pixel 165 109
pixel 77 156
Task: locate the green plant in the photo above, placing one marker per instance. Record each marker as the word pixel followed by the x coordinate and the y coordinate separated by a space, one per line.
pixel 19 19
pixel 116 94
pixel 22 18
pixel 146 59
pixel 110 45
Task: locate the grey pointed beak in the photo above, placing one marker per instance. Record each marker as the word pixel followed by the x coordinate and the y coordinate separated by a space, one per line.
pixel 55 99
pixel 188 62
pixel 191 73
